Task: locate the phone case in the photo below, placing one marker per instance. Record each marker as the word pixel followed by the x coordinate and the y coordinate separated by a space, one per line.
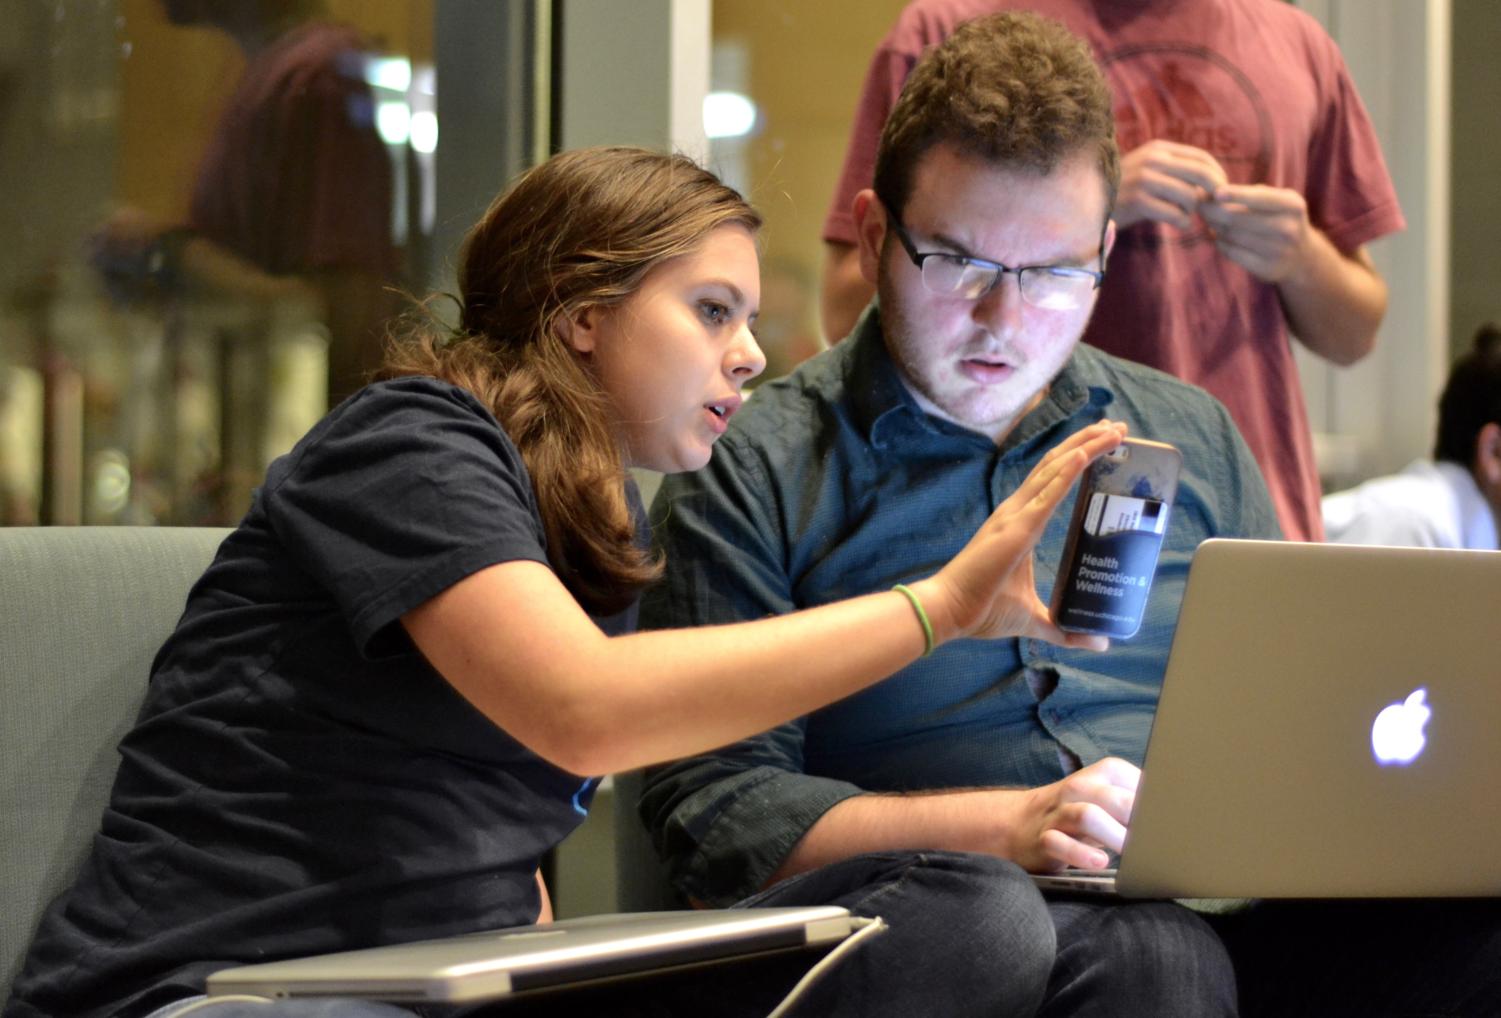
pixel 1114 539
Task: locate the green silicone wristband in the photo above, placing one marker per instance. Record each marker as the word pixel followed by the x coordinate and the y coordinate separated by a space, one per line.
pixel 922 616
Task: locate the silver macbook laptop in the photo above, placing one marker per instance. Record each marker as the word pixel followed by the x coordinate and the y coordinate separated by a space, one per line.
pixel 1330 726
pixel 487 966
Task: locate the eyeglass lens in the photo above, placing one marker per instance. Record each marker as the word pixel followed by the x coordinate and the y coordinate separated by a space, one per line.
pixel 1042 287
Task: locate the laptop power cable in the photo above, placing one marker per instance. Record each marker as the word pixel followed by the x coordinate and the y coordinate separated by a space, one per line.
pixel 865 928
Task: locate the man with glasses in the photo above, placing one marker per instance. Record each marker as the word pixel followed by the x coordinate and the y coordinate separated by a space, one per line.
pixel 928 798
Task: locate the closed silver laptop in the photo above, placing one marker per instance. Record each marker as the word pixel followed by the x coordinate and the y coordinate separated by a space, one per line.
pixel 488 966
pixel 1329 726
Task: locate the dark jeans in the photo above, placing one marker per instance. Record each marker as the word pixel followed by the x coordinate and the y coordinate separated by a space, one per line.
pixel 1311 959
pixel 971 936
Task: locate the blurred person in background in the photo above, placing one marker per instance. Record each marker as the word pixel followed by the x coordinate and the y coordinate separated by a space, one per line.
pixel 1454 499
pixel 293 196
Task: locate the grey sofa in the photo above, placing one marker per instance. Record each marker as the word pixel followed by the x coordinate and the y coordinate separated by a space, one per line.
pixel 82 613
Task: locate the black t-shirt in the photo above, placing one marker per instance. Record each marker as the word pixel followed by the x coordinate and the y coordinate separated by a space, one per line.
pixel 300 780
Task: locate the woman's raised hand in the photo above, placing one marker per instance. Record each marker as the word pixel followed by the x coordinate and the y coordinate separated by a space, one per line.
pixel 988 589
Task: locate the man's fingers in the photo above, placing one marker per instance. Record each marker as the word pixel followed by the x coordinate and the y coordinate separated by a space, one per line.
pixel 1117 802
pixel 1247 226
pixel 1217 215
pixel 1159 211
pixel 1064 851
pixel 1097 824
pixel 1152 194
pixel 1201 167
pixel 1256 262
pixel 1186 162
pixel 1078 831
pixel 1259 198
pixel 1108 785
pixel 1182 196
pixel 1234 247
pixel 1118 772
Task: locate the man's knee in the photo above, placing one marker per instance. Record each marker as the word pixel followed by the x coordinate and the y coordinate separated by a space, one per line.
pixel 978 921
pixel 1170 945
pixel 990 901
pixel 1158 954
pixel 968 934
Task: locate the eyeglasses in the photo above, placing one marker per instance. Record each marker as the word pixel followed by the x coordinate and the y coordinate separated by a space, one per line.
pixel 1051 287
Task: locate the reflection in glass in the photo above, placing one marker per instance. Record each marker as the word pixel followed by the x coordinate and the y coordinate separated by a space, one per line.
pixel 799 66
pixel 213 209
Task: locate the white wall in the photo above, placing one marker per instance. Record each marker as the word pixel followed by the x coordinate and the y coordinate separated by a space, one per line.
pixel 1378 415
pixel 634 72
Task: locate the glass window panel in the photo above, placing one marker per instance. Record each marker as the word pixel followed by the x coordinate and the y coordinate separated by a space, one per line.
pixel 212 211
pixel 801 66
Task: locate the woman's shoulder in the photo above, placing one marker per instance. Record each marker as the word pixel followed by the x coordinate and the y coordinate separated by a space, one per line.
pixel 399 424
pixel 415 394
pixel 395 406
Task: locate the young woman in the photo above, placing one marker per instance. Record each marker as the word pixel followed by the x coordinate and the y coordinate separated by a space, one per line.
pixel 378 709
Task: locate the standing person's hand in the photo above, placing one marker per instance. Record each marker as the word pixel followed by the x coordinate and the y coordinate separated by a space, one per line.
pixel 1263 229
pixel 1166 182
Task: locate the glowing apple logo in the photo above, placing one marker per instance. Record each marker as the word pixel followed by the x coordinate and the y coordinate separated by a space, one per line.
pixel 1397 736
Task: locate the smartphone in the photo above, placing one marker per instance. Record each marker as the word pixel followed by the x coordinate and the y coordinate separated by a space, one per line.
pixel 1114 539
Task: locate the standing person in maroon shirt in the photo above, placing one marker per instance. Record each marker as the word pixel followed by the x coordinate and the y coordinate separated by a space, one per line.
pixel 1251 182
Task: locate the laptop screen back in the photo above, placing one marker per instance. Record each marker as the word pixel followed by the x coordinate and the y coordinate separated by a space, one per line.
pixel 1268 773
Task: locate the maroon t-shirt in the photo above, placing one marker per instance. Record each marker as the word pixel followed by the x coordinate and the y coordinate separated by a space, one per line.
pixel 296 177
pixel 1261 87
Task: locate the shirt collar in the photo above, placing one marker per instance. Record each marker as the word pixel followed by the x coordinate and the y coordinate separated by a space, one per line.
pixel 879 401
pixel 883 408
pixel 1477 522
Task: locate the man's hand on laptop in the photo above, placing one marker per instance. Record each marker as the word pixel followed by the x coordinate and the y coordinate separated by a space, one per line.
pixel 1078 822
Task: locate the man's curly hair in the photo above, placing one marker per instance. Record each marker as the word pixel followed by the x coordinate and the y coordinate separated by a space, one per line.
pixel 1015 89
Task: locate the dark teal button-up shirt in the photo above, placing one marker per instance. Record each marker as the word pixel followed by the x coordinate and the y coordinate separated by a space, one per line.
pixel 833 482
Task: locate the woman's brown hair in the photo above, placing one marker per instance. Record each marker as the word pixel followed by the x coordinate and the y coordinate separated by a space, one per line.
pixel 579 231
